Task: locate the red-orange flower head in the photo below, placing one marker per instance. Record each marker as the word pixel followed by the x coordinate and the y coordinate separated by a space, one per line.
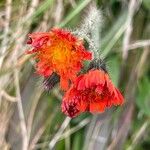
pixel 93 91
pixel 58 51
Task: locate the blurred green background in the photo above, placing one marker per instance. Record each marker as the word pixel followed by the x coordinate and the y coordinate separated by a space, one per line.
pixel 32 119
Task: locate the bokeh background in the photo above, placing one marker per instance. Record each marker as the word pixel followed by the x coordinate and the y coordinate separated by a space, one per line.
pixel 31 119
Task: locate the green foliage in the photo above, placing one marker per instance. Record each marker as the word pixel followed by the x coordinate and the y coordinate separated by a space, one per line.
pixel 78 140
pixel 143 96
pixel 76 11
pixel 114 34
pixel 42 8
pixel 146 4
pixel 42 109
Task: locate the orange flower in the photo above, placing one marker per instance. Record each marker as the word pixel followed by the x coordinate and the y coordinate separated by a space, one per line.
pixel 93 92
pixel 58 51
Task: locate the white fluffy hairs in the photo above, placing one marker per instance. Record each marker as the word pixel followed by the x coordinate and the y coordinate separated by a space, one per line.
pixel 90 29
pixel 91 20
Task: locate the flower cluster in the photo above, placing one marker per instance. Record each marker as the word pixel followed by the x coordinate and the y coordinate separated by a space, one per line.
pixel 58 51
pixel 60 55
pixel 92 92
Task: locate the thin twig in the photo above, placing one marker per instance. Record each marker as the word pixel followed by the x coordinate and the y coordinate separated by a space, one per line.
pixel 140 132
pixel 125 127
pixel 34 4
pixel 32 110
pixel 58 13
pixel 90 131
pixel 6 30
pixel 74 129
pixel 25 140
pixel 69 132
pixel 5 40
pixel 139 44
pixel 21 113
pixel 41 130
pixel 133 5
pixel 142 62
pixel 95 135
pixel 8 97
pixel 138 135
pixel 5 115
pixel 59 133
